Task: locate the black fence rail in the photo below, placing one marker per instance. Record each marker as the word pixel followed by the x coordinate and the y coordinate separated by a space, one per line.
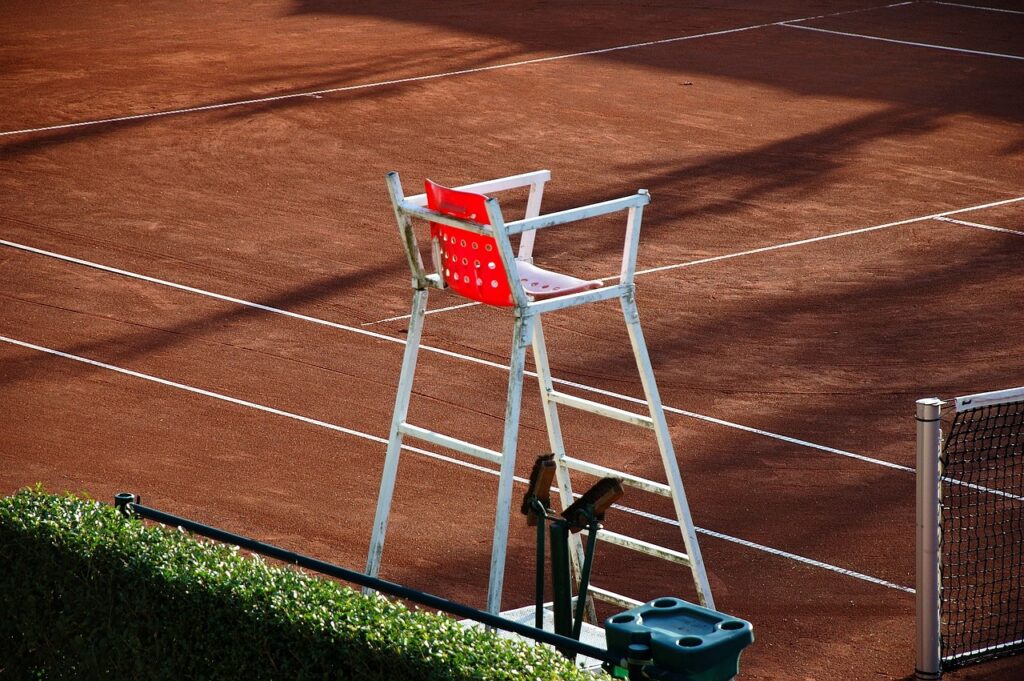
pixel 129 505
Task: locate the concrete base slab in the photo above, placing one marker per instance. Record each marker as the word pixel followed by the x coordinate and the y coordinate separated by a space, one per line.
pixel 590 634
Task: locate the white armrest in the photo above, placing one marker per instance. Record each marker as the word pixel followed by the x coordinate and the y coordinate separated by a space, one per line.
pixel 641 198
pixel 490 186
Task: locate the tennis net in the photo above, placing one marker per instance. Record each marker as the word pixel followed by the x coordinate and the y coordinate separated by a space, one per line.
pixel 983 529
pixel 978 502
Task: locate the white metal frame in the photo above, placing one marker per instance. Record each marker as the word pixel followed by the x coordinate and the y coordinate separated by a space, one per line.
pixel 528 331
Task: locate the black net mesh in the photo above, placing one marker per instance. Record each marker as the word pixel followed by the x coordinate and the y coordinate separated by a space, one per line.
pixel 983 535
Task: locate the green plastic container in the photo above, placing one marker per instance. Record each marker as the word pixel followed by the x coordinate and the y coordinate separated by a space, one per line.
pixel 686 639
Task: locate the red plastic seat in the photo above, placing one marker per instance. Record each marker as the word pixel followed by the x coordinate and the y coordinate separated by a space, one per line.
pixel 473 266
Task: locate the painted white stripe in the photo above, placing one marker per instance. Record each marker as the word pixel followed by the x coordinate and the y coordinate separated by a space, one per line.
pixel 737 426
pixel 791 440
pixel 405 316
pixel 965 223
pixel 982 651
pixel 477 360
pixel 191 389
pixel 835 235
pixel 495 365
pixel 383 83
pixel 845 12
pixel 987 9
pixel 414 79
pixel 441 351
pixel 202 292
pixel 775 552
pixel 766 249
pixel 380 440
pixel 904 42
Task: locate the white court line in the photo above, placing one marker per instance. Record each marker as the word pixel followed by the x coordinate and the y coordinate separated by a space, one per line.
pixel 965 223
pixel 441 351
pixel 769 549
pixel 435 311
pixel 791 440
pixel 981 651
pixel 987 9
pixel 415 79
pixel 738 426
pixel 765 249
pixel 384 83
pixel 381 440
pixel 902 42
pixel 495 365
pixel 826 237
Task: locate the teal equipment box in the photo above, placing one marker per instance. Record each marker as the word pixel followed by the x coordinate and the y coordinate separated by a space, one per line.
pixel 684 639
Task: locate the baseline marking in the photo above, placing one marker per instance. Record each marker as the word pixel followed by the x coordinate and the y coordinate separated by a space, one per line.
pixel 965 223
pixel 434 311
pixel 443 352
pixel 764 249
pixel 380 440
pixel 790 440
pixel 768 549
pixel 495 365
pixel 415 79
pixel 787 24
pixel 987 9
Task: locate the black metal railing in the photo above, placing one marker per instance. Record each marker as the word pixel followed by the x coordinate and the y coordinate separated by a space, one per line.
pixel 129 505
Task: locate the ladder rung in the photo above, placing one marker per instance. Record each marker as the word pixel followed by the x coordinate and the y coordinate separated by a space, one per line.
pixel 612 597
pixel 631 480
pixel 601 409
pixel 643 547
pixel 450 442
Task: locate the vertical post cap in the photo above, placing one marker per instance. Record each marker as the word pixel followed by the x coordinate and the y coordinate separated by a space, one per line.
pixel 929 409
pixel 122 500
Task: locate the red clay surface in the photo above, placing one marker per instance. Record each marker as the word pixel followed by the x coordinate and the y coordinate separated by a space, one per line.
pixel 747 140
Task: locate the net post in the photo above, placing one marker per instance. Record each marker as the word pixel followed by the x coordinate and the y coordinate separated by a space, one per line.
pixel 928 653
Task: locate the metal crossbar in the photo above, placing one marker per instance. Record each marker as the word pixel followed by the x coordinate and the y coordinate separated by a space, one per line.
pixel 648 548
pixel 601 409
pixel 613 598
pixel 576 214
pixel 450 442
pixel 627 479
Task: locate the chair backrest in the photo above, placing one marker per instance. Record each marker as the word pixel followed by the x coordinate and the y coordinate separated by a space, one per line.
pixel 472 264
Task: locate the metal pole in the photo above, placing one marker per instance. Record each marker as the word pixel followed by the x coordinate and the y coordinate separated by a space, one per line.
pixel 588 565
pixel 499 544
pixel 542 521
pixel 554 427
pixel 929 557
pixel 394 450
pixel 668 456
pixel 532 211
pixel 561 583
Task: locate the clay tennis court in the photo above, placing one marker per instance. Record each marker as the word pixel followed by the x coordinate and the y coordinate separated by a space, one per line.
pixel 202 289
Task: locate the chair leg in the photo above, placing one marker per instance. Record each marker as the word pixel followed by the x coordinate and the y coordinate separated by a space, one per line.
pixel 520 339
pixel 668 457
pixel 540 357
pixel 387 480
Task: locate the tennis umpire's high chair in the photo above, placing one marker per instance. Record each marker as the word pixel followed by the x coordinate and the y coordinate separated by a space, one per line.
pixel 472 255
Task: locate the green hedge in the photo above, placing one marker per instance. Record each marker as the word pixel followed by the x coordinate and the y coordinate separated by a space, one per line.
pixel 88 594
